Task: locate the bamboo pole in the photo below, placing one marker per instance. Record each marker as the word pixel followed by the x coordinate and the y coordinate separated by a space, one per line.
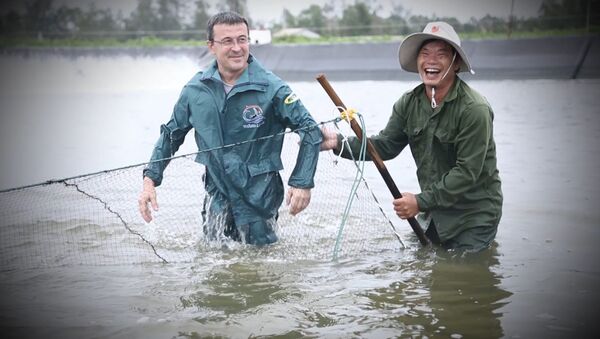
pixel 385 174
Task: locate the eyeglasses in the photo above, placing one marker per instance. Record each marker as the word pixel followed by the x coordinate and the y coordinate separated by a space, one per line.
pixel 229 42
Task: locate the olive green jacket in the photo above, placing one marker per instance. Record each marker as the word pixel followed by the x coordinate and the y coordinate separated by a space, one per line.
pixel 455 153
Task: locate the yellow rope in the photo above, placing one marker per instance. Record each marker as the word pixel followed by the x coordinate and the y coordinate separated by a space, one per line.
pixel 348 114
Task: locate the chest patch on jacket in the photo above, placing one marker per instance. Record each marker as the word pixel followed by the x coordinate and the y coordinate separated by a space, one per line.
pixel 253 116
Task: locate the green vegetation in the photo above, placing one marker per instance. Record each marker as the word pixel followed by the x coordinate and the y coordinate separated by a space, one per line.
pixel 162 23
pixel 336 39
pixel 464 36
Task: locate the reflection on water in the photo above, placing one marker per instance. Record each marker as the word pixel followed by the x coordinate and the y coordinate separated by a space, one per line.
pixel 466 295
pixel 453 296
pixel 427 293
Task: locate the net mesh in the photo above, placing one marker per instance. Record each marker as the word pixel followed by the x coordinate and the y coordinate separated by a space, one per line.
pixel 94 219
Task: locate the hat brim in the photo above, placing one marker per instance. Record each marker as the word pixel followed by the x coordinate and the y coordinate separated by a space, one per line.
pixel 409 50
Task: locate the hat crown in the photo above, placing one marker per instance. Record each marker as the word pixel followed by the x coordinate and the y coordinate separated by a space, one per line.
pixel 443 30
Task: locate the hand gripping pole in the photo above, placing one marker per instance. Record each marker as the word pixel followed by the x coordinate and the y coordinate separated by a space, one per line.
pixel 374 156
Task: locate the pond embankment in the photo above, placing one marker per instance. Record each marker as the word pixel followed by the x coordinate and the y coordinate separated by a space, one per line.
pixel 573 57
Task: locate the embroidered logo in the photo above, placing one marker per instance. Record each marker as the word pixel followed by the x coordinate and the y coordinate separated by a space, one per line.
pixel 253 116
pixel 435 29
pixel 291 98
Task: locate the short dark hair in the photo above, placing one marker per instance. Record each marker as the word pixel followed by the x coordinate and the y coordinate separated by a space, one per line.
pixel 227 18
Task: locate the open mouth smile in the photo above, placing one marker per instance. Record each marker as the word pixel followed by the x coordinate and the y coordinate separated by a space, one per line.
pixel 432 71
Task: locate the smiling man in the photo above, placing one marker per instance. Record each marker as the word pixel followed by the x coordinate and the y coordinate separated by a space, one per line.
pixel 233 101
pixel 448 126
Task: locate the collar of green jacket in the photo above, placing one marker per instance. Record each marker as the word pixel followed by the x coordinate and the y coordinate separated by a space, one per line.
pixel 249 74
pixel 419 92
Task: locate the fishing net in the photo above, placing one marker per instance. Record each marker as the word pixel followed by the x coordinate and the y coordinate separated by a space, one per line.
pixel 94 219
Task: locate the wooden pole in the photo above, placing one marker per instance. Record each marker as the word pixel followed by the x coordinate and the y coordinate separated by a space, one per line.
pixel 374 156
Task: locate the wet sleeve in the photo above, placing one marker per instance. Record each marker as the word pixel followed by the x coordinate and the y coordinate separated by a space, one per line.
pixel 296 117
pixel 172 135
pixel 388 143
pixel 472 141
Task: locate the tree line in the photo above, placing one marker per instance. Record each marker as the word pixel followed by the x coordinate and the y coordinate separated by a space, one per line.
pixel 185 19
pixel 361 18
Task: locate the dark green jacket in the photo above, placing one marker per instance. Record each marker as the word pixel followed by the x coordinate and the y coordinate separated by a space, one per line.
pixel 455 153
pixel 245 176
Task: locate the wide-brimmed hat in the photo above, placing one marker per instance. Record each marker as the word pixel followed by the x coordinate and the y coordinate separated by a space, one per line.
pixel 409 48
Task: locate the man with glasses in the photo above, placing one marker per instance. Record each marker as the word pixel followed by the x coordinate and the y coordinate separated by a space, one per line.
pixel 233 101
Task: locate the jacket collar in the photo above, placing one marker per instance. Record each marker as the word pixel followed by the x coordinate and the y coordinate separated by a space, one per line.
pixel 212 72
pixel 452 94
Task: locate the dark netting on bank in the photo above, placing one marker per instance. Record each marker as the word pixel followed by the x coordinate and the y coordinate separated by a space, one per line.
pixel 94 219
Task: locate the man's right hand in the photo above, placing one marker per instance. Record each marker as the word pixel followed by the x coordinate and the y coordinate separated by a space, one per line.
pixel 148 195
pixel 329 139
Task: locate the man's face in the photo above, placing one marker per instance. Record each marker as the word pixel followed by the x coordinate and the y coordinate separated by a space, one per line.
pixel 433 61
pixel 230 47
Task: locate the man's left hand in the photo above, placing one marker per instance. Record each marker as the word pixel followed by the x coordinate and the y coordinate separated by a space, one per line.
pixel 407 206
pixel 297 199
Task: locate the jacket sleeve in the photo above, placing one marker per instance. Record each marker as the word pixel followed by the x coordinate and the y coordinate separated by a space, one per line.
pixel 296 117
pixel 172 135
pixel 471 143
pixel 389 142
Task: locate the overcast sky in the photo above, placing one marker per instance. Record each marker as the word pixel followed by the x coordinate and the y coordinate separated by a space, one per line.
pixel 267 11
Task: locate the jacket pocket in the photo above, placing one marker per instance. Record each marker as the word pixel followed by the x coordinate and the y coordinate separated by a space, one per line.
pixel 264 189
pixel 445 142
pixel 414 133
